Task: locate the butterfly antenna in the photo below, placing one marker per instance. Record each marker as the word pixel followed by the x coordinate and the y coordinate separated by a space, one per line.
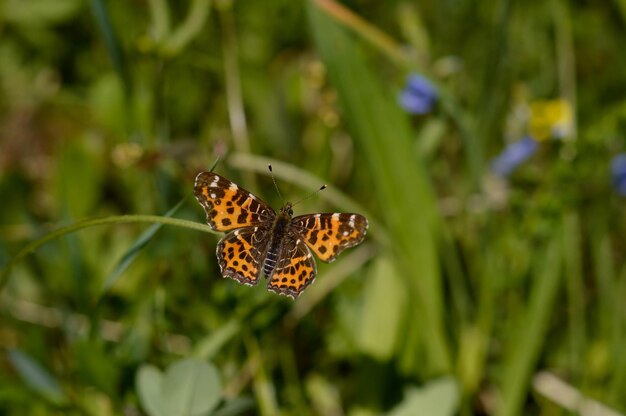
pixel 275 184
pixel 309 195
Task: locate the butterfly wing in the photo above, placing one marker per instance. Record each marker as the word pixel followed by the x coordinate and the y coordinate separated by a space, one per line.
pixel 329 234
pixel 228 206
pixel 295 270
pixel 240 254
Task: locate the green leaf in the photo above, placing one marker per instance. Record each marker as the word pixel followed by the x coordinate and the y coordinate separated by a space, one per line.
pixel 191 387
pixel 148 383
pixel 437 398
pixel 37 377
pixel 383 305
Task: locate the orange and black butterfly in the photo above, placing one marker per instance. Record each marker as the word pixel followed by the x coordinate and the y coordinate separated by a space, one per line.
pixel 259 240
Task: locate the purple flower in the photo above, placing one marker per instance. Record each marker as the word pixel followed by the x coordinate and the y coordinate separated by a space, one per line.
pixel 514 155
pixel 618 171
pixel 418 96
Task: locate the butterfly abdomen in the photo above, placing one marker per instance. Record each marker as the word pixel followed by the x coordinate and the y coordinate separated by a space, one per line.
pixel 279 230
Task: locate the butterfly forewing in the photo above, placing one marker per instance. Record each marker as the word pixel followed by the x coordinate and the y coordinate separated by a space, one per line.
pixel 329 234
pixel 228 206
pixel 240 254
pixel 295 269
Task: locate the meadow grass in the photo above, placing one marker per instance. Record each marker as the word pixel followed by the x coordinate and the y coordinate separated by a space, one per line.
pixel 477 291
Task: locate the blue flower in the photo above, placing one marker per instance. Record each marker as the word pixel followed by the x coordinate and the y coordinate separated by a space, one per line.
pixel 618 171
pixel 418 96
pixel 514 155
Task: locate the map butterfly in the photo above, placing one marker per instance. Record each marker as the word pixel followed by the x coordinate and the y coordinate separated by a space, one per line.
pixel 278 245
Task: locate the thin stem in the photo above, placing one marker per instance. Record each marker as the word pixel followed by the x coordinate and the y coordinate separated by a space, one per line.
pixel 189 29
pixel 120 219
pixel 234 98
pixel 160 18
pixel 236 111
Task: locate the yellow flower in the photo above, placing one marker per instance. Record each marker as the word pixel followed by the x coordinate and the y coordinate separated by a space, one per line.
pixel 550 119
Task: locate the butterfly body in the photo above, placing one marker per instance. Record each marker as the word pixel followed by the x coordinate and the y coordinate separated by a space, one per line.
pixel 280 231
pixel 261 241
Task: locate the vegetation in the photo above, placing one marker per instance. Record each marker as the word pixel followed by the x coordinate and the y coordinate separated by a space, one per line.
pixel 483 141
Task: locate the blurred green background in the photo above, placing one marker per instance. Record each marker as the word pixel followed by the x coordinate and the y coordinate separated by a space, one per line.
pixel 478 291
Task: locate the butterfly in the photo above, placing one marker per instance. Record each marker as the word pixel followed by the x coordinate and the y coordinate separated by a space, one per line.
pixel 261 241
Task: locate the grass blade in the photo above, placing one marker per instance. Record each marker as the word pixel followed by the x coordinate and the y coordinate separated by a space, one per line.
pixel 127 259
pixel 118 219
pixel 398 179
pixel 37 377
pixel 112 43
pixel 528 341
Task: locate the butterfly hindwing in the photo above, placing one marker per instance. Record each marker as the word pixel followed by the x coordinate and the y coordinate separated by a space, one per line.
pixel 240 254
pixel 295 270
pixel 329 234
pixel 228 206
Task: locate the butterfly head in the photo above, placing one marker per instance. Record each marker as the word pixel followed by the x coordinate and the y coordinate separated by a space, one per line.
pixel 287 209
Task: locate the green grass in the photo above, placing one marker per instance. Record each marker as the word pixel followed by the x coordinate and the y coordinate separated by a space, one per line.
pixel 471 293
